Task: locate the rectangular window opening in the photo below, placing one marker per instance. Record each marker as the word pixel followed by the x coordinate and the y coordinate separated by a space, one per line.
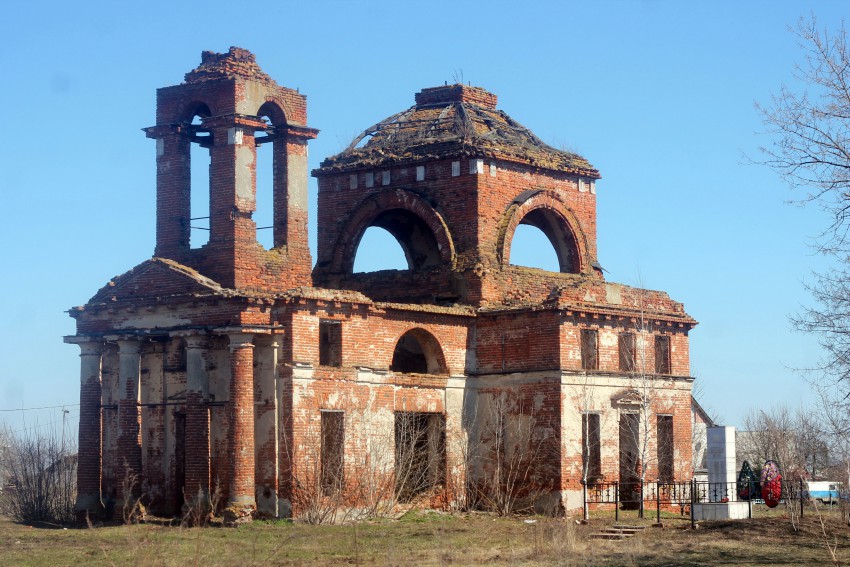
pixel 370 179
pixel 420 173
pixel 591 447
pixel 455 168
pixel 332 452
pixel 589 349
pixel 330 343
pixel 665 448
pixel 662 354
pixel 626 345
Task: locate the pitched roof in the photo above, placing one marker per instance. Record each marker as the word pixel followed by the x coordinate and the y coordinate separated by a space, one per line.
pixel 449 121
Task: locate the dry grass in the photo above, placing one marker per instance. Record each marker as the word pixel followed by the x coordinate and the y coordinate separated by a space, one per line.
pixel 429 538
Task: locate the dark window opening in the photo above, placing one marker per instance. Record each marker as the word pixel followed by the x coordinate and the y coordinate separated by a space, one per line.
pixel 630 464
pixel 665 448
pixel 333 443
pixel 592 447
pixel 420 449
pixel 662 354
pixel 330 343
pixel 589 349
pixel 409 356
pixel 626 344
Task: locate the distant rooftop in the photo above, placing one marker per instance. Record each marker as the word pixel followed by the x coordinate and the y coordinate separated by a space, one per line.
pixel 448 121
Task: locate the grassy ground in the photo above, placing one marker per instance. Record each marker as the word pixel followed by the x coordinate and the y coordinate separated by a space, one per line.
pixel 429 538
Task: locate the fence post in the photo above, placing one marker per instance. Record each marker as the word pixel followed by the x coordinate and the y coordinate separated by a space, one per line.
pixel 693 501
pixel 658 502
pixel 750 497
pixel 584 498
pixel 617 501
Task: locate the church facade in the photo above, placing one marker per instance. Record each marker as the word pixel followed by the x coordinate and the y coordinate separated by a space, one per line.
pixel 276 387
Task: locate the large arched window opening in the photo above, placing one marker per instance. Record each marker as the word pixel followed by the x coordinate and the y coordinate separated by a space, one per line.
pixel 379 250
pixel 415 238
pixel 529 246
pixel 418 352
pixel 199 185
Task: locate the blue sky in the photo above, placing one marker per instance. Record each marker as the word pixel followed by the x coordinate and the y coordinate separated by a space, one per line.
pixel 658 95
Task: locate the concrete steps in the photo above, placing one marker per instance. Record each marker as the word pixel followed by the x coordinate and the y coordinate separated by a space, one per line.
pixel 618 532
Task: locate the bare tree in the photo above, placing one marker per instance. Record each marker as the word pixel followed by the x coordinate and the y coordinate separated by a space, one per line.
pixel 42 474
pixel 515 454
pixel 796 440
pixel 811 151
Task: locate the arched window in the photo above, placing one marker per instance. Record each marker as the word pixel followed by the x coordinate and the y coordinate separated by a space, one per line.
pixel 418 352
pixel 415 238
pixel 531 248
pixel 534 229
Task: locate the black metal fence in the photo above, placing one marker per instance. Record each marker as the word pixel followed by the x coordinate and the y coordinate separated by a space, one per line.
pixel 665 495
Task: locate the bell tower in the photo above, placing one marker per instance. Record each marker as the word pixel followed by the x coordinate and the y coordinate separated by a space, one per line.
pixel 229 107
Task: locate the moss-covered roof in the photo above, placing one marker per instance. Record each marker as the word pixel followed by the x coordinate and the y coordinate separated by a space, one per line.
pixel 449 121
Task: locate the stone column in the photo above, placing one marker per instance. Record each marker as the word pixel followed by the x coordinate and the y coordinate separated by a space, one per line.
pixel 90 446
pixel 241 501
pixel 129 422
pixel 197 487
pixel 265 426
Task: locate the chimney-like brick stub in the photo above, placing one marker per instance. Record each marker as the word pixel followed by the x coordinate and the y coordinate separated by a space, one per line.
pixel 456 93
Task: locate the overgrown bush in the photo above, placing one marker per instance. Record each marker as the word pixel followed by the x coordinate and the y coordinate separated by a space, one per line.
pixel 40 471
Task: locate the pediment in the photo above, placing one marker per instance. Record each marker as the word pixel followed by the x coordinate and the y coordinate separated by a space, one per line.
pixel 157 277
pixel 626 398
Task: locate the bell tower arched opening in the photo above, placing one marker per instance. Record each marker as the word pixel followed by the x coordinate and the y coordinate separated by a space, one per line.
pixel 199 177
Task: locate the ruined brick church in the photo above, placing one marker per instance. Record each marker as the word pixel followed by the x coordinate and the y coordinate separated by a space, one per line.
pixel 280 385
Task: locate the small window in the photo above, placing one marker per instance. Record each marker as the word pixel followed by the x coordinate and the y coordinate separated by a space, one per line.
pixel 455 168
pixel 476 166
pixel 332 452
pixel 662 354
pixel 385 177
pixel 330 343
pixel 370 179
pixel 626 344
pixel 665 448
pixel 591 447
pixel 592 187
pixel 492 170
pixel 420 173
pixel 581 186
pixel 589 353
pixel 352 181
